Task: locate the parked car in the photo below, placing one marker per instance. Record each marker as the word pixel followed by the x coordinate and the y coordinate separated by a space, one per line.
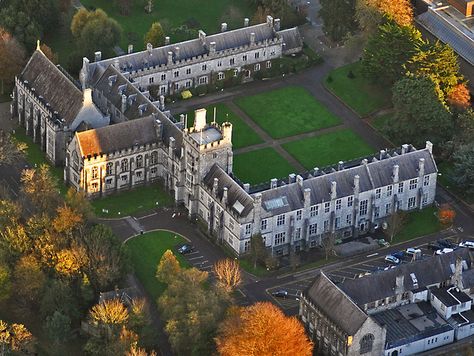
pixel 383 243
pixel 392 259
pixel 280 293
pixel 446 244
pixel 468 244
pixel 444 250
pixel 413 251
pixel 186 248
pixel 433 246
pixel 398 254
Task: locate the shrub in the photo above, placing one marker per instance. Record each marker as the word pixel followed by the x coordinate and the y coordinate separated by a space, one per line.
pixel 350 75
pixel 186 94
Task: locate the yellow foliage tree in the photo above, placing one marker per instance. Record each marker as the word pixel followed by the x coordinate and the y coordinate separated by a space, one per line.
pixel 228 273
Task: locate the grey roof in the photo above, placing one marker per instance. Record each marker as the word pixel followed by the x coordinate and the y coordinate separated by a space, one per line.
pixel 460 39
pixel 53 85
pixel 235 193
pixel 468 278
pixel 450 296
pixel 336 305
pixel 117 137
pixel 409 323
pixel 372 175
pixel 227 40
pixel 466 317
pixel 381 285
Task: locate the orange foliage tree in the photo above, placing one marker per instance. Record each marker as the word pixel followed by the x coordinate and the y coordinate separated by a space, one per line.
pixel 369 13
pixel 262 330
pixel 459 96
pixel 228 273
pixel 446 214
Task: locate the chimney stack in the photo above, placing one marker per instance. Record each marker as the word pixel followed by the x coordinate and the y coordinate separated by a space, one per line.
pixel 299 180
pixel 246 22
pixel 170 57
pixel 273 183
pixel 98 56
pixel 162 102
pixel 421 167
pixel 130 49
pixel 215 186
pixel 429 146
pixel 356 184
pixel 224 196
pixel 404 148
pixel 167 40
pixel 315 171
pixel 399 284
pixel 223 27
pixel 340 166
pixel 149 47
pixel 307 197
pixel 247 187
pixel 382 154
pixel 333 190
pixel 276 24
pixel 212 47
pixel 252 38
pixel 457 276
pixel 124 103
pixel 291 178
pixel 270 21
pixel 176 52
pixel 395 177
pixel 202 36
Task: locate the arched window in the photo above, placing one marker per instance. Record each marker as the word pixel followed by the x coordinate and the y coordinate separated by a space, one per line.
pixel 366 343
pixel 94 173
pixel 139 161
pixel 109 168
pixel 154 158
pixel 124 165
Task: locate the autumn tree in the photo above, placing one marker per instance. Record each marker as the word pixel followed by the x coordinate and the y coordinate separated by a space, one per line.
pixel 258 251
pixel 138 351
pixel 168 269
pixel 10 212
pixel 11 152
pixel 328 243
pixel 338 18
pixel 446 214
pixel 12 59
pixel 370 13
pixel 67 221
pixel 395 224
pixel 15 240
pixel 28 281
pixel 5 282
pixel 15 338
pixel 155 35
pixel 228 273
pixel 40 188
pixel 459 97
pixel 262 329
pixel 78 202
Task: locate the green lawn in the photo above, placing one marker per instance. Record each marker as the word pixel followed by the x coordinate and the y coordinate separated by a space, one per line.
pixel 36 157
pixel 260 271
pixel 419 223
pixel 146 251
pixel 260 166
pixel 288 111
pixel 242 134
pixel 358 92
pixel 381 122
pixel 204 14
pixel 132 201
pixel 324 150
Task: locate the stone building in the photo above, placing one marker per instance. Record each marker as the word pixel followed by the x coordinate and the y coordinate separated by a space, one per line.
pixel 176 67
pixel 51 106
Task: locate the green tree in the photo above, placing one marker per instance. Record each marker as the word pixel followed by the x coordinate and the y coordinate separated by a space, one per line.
pixel 438 62
pixel 58 327
pixel 155 35
pixel 12 59
pixel 94 31
pixel 463 173
pixel 258 251
pixel 419 114
pixel 59 296
pixel 28 281
pixel 338 18
pixel 168 268
pixel 388 50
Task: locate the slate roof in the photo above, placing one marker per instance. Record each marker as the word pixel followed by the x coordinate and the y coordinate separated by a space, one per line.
pixel 235 193
pixel 117 137
pixel 53 85
pixel 381 285
pixel 453 297
pixel 373 175
pixel 336 305
pixel 291 39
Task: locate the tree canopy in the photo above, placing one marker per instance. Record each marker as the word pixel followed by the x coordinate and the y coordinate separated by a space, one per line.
pixel 338 18
pixel 370 13
pixel 463 173
pixel 155 35
pixel 12 58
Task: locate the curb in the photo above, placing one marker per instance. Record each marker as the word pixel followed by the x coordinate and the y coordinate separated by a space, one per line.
pixel 154 230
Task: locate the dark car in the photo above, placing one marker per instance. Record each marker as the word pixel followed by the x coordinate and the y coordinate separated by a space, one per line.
pixel 398 254
pixel 446 244
pixel 280 293
pixel 434 247
pixel 186 248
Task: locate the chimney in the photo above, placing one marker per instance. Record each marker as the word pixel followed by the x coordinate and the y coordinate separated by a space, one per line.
pixel 246 22
pixel 315 171
pixel 84 75
pixel 212 47
pixel 199 119
pixel 395 171
pixel 333 190
pixel 202 36
pixel 340 166
pixel 98 56
pixel 404 148
pixel 170 58
pixel 356 184
pixel 457 276
pixel 117 63
pixel 276 24
pixel 223 27
pixel 252 38
pixel 299 180
pixel 421 167
pixel 270 21
pixel 382 154
pixel 429 146
pixel 124 103
pixel 399 284
pixel 224 196
pixel 149 47
pixel 307 197
pixel 158 127
pixel 162 102
pixel 273 183
pixel 176 52
pixel 215 186
pixel 130 49
pixel 247 187
pixel 291 178
pixel 167 40
pixel 365 161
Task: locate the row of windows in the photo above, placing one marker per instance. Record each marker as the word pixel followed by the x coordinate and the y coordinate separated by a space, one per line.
pixel 124 165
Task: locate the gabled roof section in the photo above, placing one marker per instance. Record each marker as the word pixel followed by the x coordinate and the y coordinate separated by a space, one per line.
pixel 117 137
pixel 238 200
pixel 54 86
pixel 335 304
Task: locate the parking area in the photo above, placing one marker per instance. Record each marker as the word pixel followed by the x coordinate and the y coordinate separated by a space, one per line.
pixel 197 259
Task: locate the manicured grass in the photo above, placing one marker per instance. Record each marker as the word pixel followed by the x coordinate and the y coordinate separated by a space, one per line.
pixel 260 271
pixel 206 15
pixel 146 251
pixel 288 111
pixel 361 95
pixel 35 157
pixel 419 223
pixel 242 134
pixel 260 166
pixel 132 201
pixel 320 151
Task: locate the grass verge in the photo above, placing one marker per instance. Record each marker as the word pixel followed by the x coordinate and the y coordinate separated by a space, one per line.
pixel 419 223
pixel 146 251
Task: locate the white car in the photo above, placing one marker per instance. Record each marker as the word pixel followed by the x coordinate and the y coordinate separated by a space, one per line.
pixel 444 250
pixel 413 251
pixel 392 259
pixel 469 244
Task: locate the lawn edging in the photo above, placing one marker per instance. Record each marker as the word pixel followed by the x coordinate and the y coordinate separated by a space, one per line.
pixel 154 230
